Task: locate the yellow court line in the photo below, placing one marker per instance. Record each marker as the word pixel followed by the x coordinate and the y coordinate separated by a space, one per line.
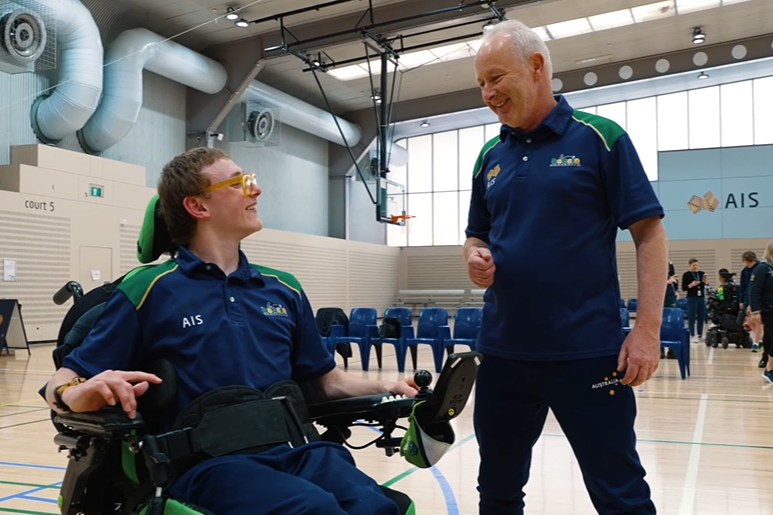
pixel 19 402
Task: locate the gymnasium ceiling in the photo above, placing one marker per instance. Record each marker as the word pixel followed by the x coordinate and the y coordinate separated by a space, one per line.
pixel 653 28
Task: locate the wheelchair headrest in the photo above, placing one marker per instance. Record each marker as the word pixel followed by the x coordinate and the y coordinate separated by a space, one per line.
pixel 154 239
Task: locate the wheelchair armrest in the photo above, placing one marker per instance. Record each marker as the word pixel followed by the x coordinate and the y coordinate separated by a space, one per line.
pixel 110 421
pixel 372 408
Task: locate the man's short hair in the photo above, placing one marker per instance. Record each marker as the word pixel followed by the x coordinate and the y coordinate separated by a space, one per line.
pixel 180 178
pixel 749 256
pixel 692 260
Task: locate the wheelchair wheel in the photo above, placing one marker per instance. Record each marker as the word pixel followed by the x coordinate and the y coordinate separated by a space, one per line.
pixel 709 340
pixel 725 342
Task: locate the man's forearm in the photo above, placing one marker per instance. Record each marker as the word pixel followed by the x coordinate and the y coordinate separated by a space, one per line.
pixel 473 243
pixel 340 385
pixel 651 266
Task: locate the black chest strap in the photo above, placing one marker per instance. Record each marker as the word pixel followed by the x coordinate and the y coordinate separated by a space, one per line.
pixel 239 419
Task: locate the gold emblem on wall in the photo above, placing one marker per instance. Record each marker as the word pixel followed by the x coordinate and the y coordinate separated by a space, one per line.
pixel 707 202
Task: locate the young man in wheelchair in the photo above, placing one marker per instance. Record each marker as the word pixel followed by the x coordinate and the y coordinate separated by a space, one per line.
pixel 230 330
pixel 723 310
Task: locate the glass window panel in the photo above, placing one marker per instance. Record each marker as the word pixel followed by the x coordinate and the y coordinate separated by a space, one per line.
pixel 464 211
pixel 704 117
pixel 445 162
pixel 615 112
pixel 470 143
pixel 420 164
pixel 736 117
pixel 591 109
pixel 446 219
pixel 420 227
pixel 397 174
pixel 397 236
pixel 763 111
pixel 672 121
pixel 642 128
pixel 492 130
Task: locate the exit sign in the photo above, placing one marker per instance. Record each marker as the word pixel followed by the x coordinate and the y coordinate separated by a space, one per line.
pixel 95 191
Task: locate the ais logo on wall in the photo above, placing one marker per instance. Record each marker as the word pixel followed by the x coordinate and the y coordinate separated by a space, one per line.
pixel 709 202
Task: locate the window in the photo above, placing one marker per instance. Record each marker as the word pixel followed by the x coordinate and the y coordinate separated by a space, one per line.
pixel 672 121
pixel 736 114
pixel 704 117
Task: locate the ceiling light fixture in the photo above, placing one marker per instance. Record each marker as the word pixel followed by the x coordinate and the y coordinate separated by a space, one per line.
pixel 242 23
pixel 703 75
pixel 231 14
pixel 376 96
pixel 490 24
pixel 424 124
pixel 698 37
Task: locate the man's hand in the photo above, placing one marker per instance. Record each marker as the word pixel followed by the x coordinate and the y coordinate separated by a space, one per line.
pixel 406 387
pixel 640 355
pixel 108 389
pixel 480 267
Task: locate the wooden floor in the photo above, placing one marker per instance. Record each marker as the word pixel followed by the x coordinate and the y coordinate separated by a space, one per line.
pixel 707 444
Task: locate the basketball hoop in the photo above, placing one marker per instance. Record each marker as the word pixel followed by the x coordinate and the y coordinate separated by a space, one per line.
pixel 399 219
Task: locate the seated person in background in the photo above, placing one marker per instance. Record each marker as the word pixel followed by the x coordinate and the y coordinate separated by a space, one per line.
pixel 221 321
pixel 669 301
pixel 727 292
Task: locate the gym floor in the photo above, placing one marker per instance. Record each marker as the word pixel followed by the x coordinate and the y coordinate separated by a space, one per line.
pixel 707 443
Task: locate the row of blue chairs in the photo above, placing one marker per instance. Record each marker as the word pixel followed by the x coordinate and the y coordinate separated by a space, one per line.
pixel 673 334
pixel 431 329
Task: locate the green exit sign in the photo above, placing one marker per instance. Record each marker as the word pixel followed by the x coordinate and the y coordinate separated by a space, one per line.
pixel 95 191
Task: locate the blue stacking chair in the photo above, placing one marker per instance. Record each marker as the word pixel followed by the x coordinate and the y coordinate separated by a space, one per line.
pixel 682 304
pixel 405 317
pixel 632 305
pixel 675 335
pixel 625 319
pixel 466 328
pixel 428 332
pixel 363 326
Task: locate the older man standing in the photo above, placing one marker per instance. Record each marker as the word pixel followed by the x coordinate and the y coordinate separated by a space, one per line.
pixel 551 191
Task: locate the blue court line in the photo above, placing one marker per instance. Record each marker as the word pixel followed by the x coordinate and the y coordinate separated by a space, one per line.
pixel 21 495
pixel 31 465
pixel 448 493
pixel 38 499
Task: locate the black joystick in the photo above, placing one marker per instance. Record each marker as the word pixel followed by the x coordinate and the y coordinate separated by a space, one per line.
pixel 423 378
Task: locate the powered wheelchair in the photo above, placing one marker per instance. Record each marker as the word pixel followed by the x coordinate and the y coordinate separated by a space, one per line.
pixel 726 317
pixel 123 466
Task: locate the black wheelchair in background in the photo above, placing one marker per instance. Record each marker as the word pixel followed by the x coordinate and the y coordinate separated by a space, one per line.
pixel 122 466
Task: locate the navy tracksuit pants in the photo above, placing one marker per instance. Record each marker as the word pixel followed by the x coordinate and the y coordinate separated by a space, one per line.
pixel 318 478
pixel 596 414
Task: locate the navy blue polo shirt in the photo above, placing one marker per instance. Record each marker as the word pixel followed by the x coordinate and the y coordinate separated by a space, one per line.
pixel 253 327
pixel 549 203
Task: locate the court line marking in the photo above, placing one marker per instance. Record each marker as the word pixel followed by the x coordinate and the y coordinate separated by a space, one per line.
pixel 691 481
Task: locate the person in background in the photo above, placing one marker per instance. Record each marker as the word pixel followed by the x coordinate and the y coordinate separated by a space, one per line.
pixel 694 282
pixel 749 259
pixel 761 303
pixel 672 284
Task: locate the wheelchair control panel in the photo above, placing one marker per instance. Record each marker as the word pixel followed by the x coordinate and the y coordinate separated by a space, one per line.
pixel 441 404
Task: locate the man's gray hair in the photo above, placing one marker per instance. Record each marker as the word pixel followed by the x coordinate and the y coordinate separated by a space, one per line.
pixel 524 40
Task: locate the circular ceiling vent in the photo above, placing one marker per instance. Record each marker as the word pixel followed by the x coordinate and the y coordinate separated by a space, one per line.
pixel 23 35
pixel 261 124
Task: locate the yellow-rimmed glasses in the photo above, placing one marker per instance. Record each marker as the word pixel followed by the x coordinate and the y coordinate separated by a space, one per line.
pixel 247 181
